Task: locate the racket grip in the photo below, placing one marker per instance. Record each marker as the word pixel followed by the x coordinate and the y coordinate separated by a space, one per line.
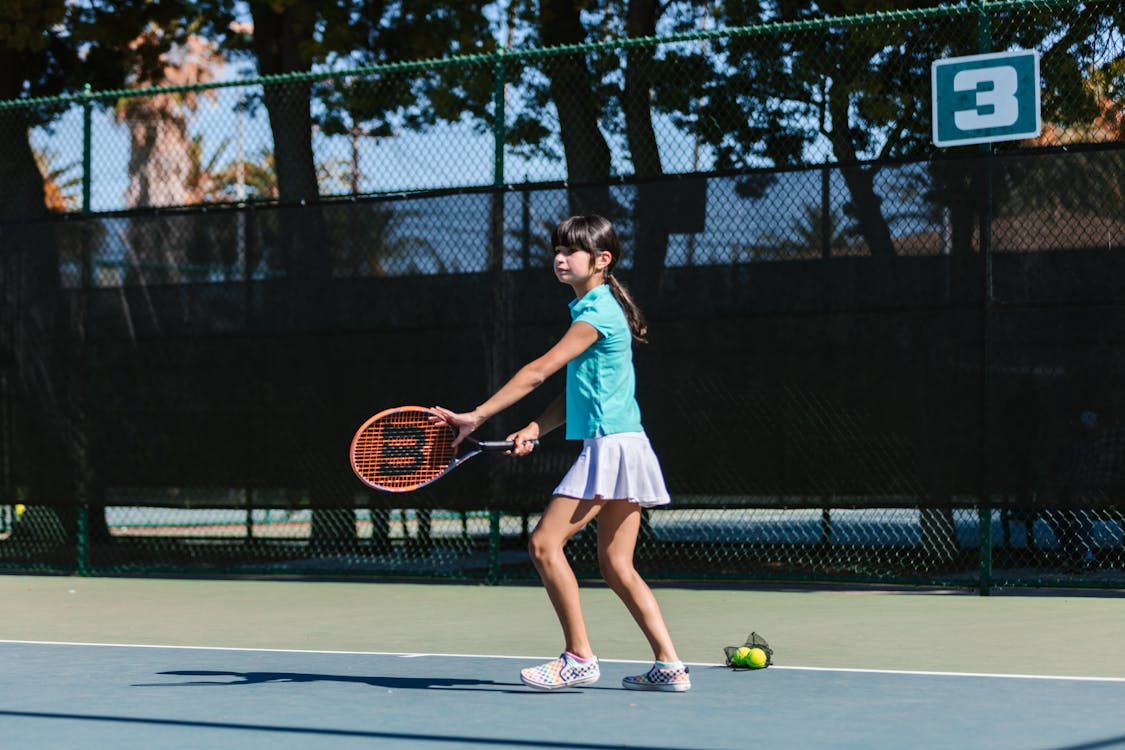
pixel 500 445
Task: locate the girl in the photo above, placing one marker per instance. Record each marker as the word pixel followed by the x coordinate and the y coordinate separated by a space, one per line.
pixel 615 476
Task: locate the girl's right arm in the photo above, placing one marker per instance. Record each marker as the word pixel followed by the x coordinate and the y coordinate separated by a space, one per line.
pixel 578 338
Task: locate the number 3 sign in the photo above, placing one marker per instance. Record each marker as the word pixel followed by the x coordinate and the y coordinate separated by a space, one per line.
pixel 986 98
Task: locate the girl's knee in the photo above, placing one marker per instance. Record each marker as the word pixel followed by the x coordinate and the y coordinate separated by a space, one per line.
pixel 616 570
pixel 541 547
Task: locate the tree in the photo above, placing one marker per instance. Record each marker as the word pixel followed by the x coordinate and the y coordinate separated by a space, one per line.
pixel 576 84
pixel 652 212
pixel 47 48
pixel 815 234
pixel 164 160
pixel 30 64
pixel 298 37
pixel 374 241
pixel 244 179
pixel 61 187
pixel 595 95
pixel 1080 66
pixel 161 169
pixel 51 47
pixel 858 92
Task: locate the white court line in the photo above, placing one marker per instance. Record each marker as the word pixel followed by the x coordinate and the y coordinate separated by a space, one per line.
pixel 990 675
pixel 406 655
pixel 402 654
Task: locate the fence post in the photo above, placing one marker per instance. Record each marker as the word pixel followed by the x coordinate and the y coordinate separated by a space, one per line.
pixel 83 539
pixel 7 441
pixel 499 320
pixel 499 86
pixel 825 212
pixel 87 139
pixel 88 279
pixel 984 524
pixel 984 45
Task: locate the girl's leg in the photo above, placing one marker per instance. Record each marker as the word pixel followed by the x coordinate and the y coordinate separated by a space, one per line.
pixel 618 525
pixel 563 518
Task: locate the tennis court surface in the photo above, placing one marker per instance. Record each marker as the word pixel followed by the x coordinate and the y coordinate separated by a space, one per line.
pixel 128 663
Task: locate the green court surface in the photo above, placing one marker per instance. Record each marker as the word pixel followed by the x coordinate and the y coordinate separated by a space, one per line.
pixel 1013 632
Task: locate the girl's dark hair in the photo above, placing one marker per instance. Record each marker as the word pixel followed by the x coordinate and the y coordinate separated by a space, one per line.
pixel 595 234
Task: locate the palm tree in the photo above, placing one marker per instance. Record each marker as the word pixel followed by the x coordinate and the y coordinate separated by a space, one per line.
pixel 808 237
pixel 257 180
pixel 160 163
pixel 201 180
pixel 164 162
pixel 62 190
pixel 385 239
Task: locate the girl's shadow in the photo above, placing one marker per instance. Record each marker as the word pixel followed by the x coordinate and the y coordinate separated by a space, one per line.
pixel 391 683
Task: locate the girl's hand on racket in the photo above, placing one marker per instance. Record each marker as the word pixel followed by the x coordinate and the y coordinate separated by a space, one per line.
pixel 524 439
pixel 465 423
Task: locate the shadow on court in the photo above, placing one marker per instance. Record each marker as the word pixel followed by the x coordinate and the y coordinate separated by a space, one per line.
pixel 1111 742
pixel 390 683
pixel 329 732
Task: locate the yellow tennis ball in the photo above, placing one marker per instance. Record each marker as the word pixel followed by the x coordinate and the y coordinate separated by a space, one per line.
pixel 755 658
pixel 20 510
pixel 740 656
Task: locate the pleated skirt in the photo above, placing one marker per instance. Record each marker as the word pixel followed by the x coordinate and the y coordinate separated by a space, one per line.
pixel 621 466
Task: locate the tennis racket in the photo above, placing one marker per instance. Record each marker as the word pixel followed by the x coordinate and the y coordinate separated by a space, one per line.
pixel 400 449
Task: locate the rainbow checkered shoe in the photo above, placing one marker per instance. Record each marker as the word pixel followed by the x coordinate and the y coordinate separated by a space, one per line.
pixel 565 671
pixel 670 679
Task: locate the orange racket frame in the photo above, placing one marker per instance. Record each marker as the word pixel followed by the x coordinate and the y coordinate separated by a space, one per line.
pixel 407 447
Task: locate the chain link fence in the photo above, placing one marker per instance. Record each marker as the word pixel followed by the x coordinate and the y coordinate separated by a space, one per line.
pixel 790 92
pixel 871 360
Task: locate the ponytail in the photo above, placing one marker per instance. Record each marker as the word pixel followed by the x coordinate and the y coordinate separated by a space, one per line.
pixel 637 323
pixel 594 233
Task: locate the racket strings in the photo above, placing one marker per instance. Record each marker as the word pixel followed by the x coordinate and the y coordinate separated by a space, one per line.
pixel 403 450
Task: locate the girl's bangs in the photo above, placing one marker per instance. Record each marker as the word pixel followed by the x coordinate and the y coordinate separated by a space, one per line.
pixel 573 236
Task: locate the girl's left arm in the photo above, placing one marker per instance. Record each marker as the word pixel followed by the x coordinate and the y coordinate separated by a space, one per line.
pixel 578 338
pixel 553 416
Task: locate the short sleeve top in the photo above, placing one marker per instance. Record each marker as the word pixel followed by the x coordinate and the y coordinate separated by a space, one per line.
pixel 600 382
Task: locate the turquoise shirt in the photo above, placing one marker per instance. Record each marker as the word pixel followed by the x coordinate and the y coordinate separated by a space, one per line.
pixel 600 384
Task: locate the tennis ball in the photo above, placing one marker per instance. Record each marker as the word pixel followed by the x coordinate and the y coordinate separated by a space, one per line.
pixel 755 658
pixel 20 510
pixel 740 656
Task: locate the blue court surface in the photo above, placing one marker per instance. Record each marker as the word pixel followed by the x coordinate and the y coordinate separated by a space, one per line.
pixel 152 697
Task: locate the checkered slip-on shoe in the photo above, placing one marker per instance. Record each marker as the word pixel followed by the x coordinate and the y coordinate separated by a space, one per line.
pixel 561 672
pixel 667 679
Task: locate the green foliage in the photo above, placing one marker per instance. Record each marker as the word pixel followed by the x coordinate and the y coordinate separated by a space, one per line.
pixel 842 92
pixel 53 47
pixel 346 34
pixel 61 182
pixel 25 21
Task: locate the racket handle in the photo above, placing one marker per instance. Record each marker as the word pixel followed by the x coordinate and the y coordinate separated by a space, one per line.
pixel 500 445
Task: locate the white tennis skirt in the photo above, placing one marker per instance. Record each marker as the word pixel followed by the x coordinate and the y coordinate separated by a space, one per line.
pixel 621 466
